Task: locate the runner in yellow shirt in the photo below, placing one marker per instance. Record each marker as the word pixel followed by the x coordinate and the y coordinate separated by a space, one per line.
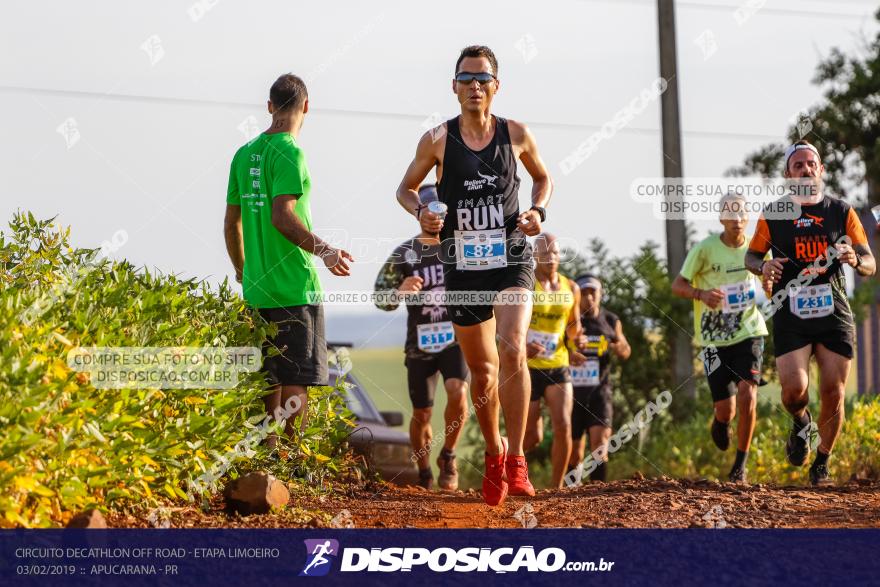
pixel 555 319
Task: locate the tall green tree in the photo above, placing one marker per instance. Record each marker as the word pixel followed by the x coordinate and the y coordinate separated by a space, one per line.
pixel 844 125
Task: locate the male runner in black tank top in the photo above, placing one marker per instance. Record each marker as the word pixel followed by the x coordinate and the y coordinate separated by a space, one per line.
pixel 475 156
pixel 592 410
pixel 813 315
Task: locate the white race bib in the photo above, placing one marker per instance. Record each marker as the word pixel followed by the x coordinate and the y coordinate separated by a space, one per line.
pixel 812 301
pixel 435 337
pixel 548 340
pixel 477 250
pixel 738 297
pixel 587 375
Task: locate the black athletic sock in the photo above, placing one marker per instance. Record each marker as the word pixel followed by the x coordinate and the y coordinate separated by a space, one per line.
pixel 821 458
pixel 801 421
pixel 426 473
pixel 741 456
pixel 446 453
pixel 600 472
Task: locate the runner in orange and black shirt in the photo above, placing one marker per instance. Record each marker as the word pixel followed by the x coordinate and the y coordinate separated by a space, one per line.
pixel 812 315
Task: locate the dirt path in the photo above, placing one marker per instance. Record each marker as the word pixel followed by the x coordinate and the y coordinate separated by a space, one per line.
pixel 655 503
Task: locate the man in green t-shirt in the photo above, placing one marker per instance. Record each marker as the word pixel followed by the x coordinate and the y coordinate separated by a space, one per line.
pixel 728 325
pixel 269 238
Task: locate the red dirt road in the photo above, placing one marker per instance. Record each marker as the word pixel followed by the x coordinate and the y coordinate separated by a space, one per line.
pixel 653 503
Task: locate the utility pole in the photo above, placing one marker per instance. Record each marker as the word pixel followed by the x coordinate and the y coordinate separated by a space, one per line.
pixel 676 237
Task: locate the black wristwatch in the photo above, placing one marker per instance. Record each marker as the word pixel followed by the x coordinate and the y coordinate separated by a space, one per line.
pixel 541 212
pixel 858 261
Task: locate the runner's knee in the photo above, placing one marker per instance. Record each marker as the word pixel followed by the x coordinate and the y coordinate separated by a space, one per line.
pixel 483 377
pixel 794 394
pixel 456 391
pixel 422 416
pixel 512 355
pixel 833 393
pixel 795 402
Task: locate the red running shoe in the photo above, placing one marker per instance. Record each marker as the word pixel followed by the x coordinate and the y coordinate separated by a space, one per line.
pixel 518 476
pixel 494 485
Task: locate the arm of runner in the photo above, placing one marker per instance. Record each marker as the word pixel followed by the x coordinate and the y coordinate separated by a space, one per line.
pixel 233 237
pixel 858 254
pixel 769 269
pixel 574 329
pixel 542 185
pixel 620 346
pixel 681 285
pixel 388 281
pixel 285 220
pixel 408 190
pixel 682 288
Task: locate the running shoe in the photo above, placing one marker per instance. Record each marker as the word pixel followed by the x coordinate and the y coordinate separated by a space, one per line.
pixel 448 478
pixel 737 475
pixel 819 476
pixel 518 475
pixel 426 479
pixel 797 449
pixel 721 434
pixel 494 485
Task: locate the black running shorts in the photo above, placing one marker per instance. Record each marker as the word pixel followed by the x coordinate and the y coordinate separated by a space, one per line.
pixel 450 362
pixel 492 280
pixel 726 366
pixel 543 378
pixel 592 407
pixel 301 342
pixel 837 339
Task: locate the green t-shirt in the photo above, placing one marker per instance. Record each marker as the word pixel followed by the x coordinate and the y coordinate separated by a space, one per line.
pixel 712 264
pixel 277 273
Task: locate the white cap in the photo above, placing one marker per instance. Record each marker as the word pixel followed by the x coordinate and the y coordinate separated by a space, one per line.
pixel 799 147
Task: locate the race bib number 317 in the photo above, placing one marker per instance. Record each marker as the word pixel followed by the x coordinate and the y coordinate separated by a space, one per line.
pixel 435 337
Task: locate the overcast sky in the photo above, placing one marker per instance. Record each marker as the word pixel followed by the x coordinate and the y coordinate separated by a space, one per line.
pixel 124 116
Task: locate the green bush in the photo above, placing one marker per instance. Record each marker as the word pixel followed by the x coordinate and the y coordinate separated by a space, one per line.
pixel 68 446
pixel 685 450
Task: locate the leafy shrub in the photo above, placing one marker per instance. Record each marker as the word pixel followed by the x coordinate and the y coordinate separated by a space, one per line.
pixel 66 445
pixel 685 450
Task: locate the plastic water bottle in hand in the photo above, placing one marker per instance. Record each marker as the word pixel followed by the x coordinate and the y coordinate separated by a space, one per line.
pixel 438 208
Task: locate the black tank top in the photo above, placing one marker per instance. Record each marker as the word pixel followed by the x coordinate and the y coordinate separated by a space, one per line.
pixel 599 332
pixel 802 241
pixel 481 189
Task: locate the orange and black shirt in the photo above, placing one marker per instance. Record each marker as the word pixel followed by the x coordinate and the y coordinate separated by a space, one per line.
pixel 803 241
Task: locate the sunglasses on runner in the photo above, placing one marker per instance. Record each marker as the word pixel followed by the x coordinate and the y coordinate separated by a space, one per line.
pixel 466 77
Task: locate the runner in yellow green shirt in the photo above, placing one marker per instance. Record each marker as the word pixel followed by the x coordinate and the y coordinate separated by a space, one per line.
pixel 555 320
pixel 728 325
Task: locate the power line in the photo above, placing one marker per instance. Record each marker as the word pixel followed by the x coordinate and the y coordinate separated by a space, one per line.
pixel 763 9
pixel 376 114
